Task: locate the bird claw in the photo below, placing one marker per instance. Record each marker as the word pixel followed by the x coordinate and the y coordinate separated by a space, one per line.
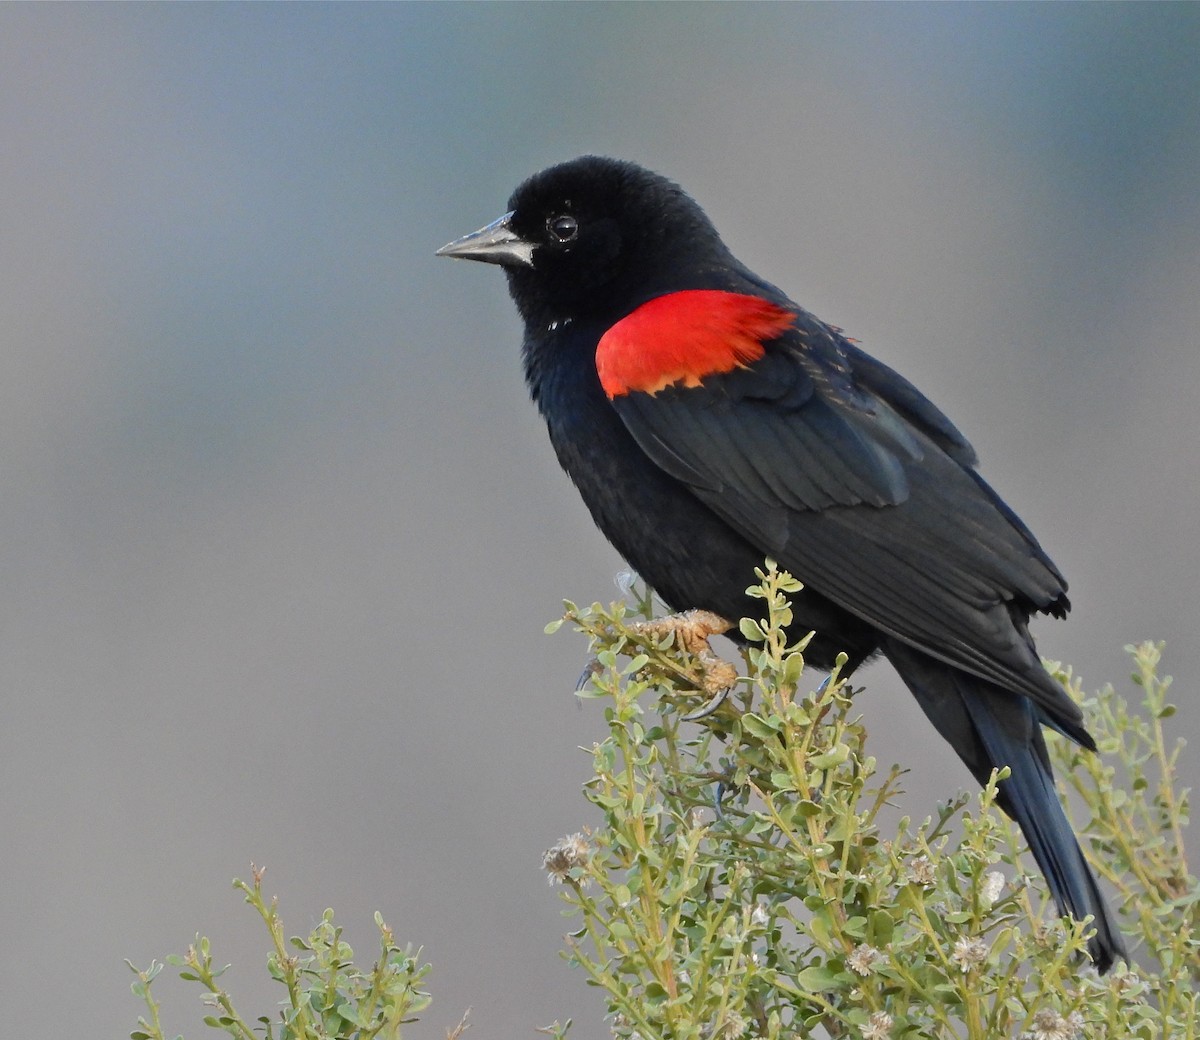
pixel 692 630
pixel 850 691
pixel 710 706
pixel 718 798
pixel 590 671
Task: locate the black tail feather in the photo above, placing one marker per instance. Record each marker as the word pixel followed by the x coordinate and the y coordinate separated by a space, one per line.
pixel 991 727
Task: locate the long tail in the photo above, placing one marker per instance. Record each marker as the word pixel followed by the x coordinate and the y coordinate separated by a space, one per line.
pixel 991 727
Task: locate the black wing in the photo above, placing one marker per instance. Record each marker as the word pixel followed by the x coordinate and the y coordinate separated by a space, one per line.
pixel 843 472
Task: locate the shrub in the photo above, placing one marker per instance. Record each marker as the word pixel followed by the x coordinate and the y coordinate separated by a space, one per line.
pixel 741 878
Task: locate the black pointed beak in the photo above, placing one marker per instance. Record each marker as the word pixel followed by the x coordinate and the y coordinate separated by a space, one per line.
pixel 495 244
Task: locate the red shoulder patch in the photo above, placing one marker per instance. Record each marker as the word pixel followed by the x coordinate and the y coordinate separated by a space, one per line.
pixel 683 337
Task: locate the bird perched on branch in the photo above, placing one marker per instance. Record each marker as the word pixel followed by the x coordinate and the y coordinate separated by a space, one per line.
pixel 709 422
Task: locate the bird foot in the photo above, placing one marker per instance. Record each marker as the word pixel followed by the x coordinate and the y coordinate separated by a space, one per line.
pixel 692 630
pixel 590 671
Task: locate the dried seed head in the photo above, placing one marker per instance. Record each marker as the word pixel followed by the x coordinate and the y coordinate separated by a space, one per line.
pixel 571 852
pixel 862 958
pixel 879 1027
pixel 733 1026
pixel 921 872
pixel 993 885
pixel 1048 1024
pixel 969 952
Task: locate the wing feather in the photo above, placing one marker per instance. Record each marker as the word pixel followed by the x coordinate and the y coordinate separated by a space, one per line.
pixel 870 500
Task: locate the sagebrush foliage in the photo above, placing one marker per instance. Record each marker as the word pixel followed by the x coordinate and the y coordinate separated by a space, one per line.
pixel 737 877
pixel 328 997
pixel 742 882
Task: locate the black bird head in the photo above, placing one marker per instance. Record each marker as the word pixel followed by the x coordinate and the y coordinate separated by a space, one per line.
pixel 593 237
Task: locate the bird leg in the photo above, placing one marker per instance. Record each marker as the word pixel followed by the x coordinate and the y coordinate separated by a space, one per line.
pixel 692 630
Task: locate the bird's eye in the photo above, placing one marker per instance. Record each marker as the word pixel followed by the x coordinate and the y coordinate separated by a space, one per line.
pixel 564 227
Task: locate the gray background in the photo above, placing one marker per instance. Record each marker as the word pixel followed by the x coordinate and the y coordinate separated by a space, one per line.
pixel 279 530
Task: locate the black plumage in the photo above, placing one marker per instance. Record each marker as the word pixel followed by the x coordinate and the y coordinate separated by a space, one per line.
pixel 807 450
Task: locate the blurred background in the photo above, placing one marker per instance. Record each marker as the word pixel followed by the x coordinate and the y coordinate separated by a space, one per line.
pixel 279 529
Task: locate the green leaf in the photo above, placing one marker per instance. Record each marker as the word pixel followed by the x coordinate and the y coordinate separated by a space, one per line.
pixel 835 756
pixel 856 926
pixel 818 928
pixel 882 928
pixel 349 1013
pixel 782 781
pixel 759 727
pixel 818 978
pixel 793 668
pixel 752 630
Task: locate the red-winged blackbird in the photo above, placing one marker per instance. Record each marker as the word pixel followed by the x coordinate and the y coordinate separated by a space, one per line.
pixel 709 422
